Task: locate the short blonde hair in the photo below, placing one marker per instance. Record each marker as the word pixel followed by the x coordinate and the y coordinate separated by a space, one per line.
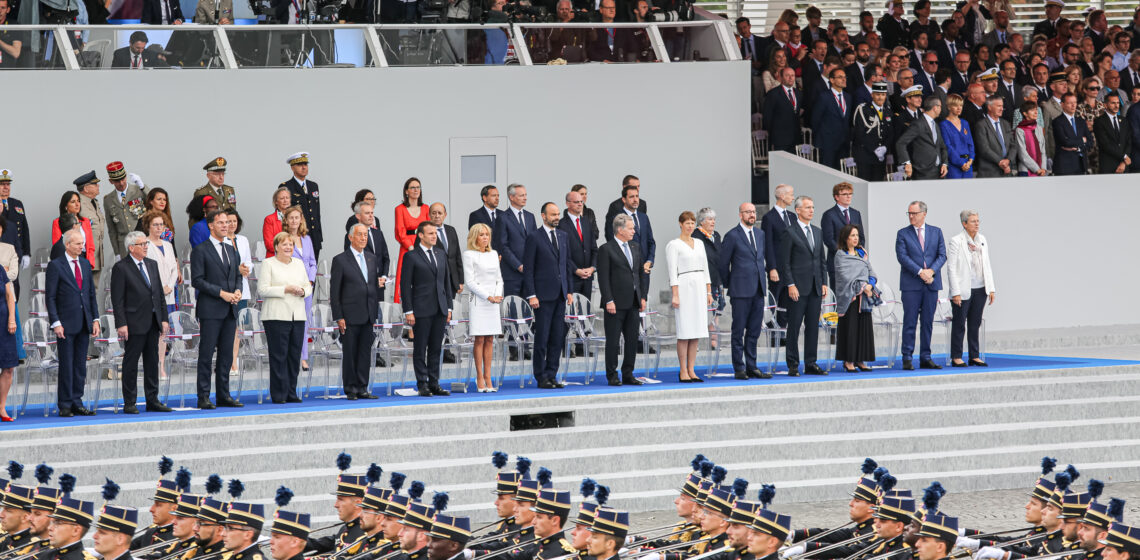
pixel 473 237
pixel 281 236
pixel 954 100
pixel 303 230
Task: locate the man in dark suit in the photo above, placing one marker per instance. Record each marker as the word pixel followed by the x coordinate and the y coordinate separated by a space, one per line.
pixel 783 107
pixel 15 226
pixel 547 270
pixel 306 195
pixel 216 278
pixel 862 93
pixel 1113 137
pixel 512 226
pixel 161 12
pixel 1130 75
pixel 812 66
pixel 994 142
pixel 136 56
pixel 74 315
pixel 448 241
pixel 643 230
pixel 948 46
pixel 140 318
pixel 921 148
pixel 804 270
pixel 831 118
pixel 1048 26
pixel 921 252
pixel 376 245
pixel 588 212
pixel 624 284
pixel 834 219
pixel 1133 126
pixel 1071 139
pixel 1009 89
pixel 893 28
pixel 960 73
pixel 427 293
pixel 488 212
pixel 583 245
pixel 618 206
pixel 354 296
pixel 743 258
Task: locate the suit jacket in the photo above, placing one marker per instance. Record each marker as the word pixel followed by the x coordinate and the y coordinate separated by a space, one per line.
pixel 310 202
pixel 137 306
pixel 972 113
pixel 958 84
pixel 992 40
pixel 901 122
pixel 803 265
pixel 152 12
pixel 425 289
pixel 376 246
pixel 1072 147
pixel 1049 109
pixel 782 118
pixel 480 216
pixel 832 222
pixel 352 296
pixel 774 228
pixel 854 75
pixel 1111 143
pixel 1126 82
pixel 893 32
pixel 73 307
pixel 547 270
pixel 599 50
pixel 584 251
pixel 1133 126
pixel 454 255
pixel 743 270
pixel 914 257
pixel 509 239
pixel 832 127
pixel 917 146
pixel 616 207
pixel 1012 97
pixel 958 265
pixel 617 281
pixel 121 216
pixel 927 84
pixel 811 74
pixel 121 58
pixel 988 149
pixel 210 277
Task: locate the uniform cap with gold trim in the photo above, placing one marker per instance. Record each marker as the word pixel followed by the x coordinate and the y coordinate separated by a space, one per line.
pixel 5 175
pixel 86 179
pixel 298 158
pixel 116 171
pixel 69 509
pixel 611 522
pixel 246 515
pixel 18 497
pixel 167 491
pixel 720 500
pixel 456 529
pixel 419 516
pixel 743 512
pixel 867 490
pixel 189 505
pixel 912 91
pixel 119 519
pixel 397 506
pixel 376 499
pixel 895 509
pixel 46 498
pixel 291 523
pixel 991 74
pixel 1102 516
pixel 216 164
pixel 528 491
pixel 772 523
pixel 553 502
pixel 212 511
pixel 939 526
pixel 1123 537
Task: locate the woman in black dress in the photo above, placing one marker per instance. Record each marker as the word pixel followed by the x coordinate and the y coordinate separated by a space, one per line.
pixel 854 280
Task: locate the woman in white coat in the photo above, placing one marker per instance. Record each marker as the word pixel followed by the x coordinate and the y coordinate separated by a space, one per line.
pixel 485 282
pixel 971 284
pixel 162 252
pixel 692 294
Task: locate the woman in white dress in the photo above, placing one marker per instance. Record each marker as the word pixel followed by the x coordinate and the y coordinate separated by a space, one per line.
pixel 482 277
pixel 692 294
pixel 245 258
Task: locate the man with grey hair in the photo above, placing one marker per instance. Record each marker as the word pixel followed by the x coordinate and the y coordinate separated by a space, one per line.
pixel 140 317
pixel 994 141
pixel 921 148
pixel 921 253
pixel 580 230
pixel 774 224
pixel 803 266
pixel 354 297
pixel 365 214
pixel 69 296
pixel 624 284
pixel 509 238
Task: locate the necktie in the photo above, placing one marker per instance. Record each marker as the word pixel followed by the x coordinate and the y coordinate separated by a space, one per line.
pixel 752 241
pixel 787 218
pixel 921 239
pixel 1115 127
pixel 123 198
pixel 554 243
pixel 78 275
pixel 95 205
pixel 518 214
pixel 492 217
pixel 363 266
pixel 225 255
pixel 442 240
pixel 953 49
pixel 811 242
pixel 792 98
pixel 1001 36
pixel 839 100
pixel 636 226
pixel 431 258
pixel 578 226
pixel 846 217
pixel 145 277
pixel 933 132
pixel 628 257
pixel 1073 123
pixel 1001 139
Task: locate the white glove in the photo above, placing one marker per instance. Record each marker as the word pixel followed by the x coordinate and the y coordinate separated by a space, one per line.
pixel 25 262
pixel 967 542
pixel 792 551
pixel 468 554
pixel 629 539
pixel 961 531
pixel 989 553
pixel 135 179
pixel 881 152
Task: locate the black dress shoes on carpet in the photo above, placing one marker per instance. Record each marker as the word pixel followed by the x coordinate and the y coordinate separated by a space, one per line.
pixel 927 363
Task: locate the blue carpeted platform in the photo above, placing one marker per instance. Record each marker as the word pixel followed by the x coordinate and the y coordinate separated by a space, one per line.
pixel 510 390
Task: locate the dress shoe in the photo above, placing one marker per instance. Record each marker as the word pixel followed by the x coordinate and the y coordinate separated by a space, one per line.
pixel 979 363
pixel 927 363
pixel 757 374
pixel 206 405
pixel 82 411
pixel 863 367
pixel 229 403
pixel 851 369
pixel 424 392
pixel 449 357
pixel 65 413
pixel 741 376
pixel 813 369
pixel 366 396
pixel 158 407
pixel 794 369
pixel 547 385
pixel 439 391
pixel 614 383
pixel 6 418
pixel 292 399
pixel 958 364
pixel 130 409
pixel 381 362
pixel 696 379
pixel 350 396
pixel 631 381
pixel 908 365
pixel 278 401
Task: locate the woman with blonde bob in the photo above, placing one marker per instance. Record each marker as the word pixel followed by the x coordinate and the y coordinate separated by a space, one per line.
pixel 481 272
pixel 283 286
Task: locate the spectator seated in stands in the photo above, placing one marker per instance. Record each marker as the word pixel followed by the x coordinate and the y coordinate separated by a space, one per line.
pixel 137 56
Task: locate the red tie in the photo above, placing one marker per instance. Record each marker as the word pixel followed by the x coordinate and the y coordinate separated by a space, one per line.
pixel 791 97
pixel 578 226
pixel 78 275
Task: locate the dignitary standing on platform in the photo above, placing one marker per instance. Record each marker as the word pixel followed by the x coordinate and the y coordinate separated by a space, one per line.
pixel 854 281
pixel 804 271
pixel 427 301
pixel 921 148
pixel 273 223
pixel 284 287
pixel 512 226
pixel 692 294
pixel 74 315
pixel 624 282
pixel 216 278
pixel 971 285
pixel 485 282
pixel 547 270
pixel 742 260
pixel 123 207
pixel 306 196
pixel 161 251
pixel 448 240
pixel 580 230
pixel 140 319
pixel 354 296
pixel 835 218
pixel 921 253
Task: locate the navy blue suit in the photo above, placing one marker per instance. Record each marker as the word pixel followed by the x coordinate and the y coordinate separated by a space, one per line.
pixel 831 127
pixel 782 120
pixel 919 297
pixel 643 236
pixel 480 216
pixel 509 239
pixel 426 291
pixel 75 309
pixel 210 276
pixel 742 269
pixel 1071 155
pixel 831 222
pixel 379 247
pixel 546 276
pixel 583 251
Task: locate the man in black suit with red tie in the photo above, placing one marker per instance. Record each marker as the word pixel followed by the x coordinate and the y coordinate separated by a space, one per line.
pixel 580 230
pixel 74 315
pixel 624 284
pixel 140 318
pixel 783 107
pixel 426 292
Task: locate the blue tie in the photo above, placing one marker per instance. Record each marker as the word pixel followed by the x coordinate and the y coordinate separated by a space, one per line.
pixel 363 267
pixel 145 277
pixel 1001 139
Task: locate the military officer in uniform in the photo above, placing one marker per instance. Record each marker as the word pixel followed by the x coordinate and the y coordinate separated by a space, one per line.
pixel 1073 508
pixel 216 185
pixel 859 509
pixel 525 499
pixel 1094 526
pixel 14 518
pixel 550 513
pixel 89 208
pixel 449 535
pixel 580 534
pixel 349 495
pixel 113 532
pixel 16 232
pixel 184 528
pixel 1044 516
pixel 123 206
pixel 1121 539
pixel 414 537
pixel 211 516
pixel 372 515
pixel 394 511
pixel 43 504
pixel 162 525
pixel 740 520
pixel 243 524
pixel 890 518
pixel 608 533
pixel 69 522
pixel 872 135
pixel 768 531
pixel 305 194
pixel 936 537
pixel 289 535
pixel 506 487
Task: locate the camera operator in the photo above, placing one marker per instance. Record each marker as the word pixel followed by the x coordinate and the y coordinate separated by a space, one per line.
pixel 639 45
pixel 673 37
pixel 567 43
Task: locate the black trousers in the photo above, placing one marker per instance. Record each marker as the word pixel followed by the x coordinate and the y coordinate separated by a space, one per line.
pixel 804 312
pixel 426 348
pixel 285 340
pixel 967 317
pixel 216 335
pixel 584 286
pixel 145 344
pixel 549 338
pixel 623 323
pixel 356 364
pixel 72 369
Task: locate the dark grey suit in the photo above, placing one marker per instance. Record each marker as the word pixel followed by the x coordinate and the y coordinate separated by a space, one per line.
pixel 918 146
pixel 804 265
pixel 990 150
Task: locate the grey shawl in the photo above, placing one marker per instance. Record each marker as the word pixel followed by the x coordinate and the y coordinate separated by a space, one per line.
pixel 851 273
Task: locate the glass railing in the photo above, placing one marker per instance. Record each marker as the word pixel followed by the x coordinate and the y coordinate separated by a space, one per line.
pixel 42 47
pixel 447 45
pixel 146 47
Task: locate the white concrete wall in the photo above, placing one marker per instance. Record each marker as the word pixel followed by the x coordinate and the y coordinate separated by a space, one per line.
pixel 1061 249
pixel 588 124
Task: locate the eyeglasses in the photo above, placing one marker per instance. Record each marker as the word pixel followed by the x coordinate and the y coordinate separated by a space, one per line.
pixel 932 61
pixel 1093 88
pixel 141 244
pixel 914 213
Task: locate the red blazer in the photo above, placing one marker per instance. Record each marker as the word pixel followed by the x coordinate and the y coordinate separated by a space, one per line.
pixel 90 246
pixel 269 229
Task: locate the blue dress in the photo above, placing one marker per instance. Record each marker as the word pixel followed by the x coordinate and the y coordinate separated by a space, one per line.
pixel 199 232
pixel 959 148
pixel 8 357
